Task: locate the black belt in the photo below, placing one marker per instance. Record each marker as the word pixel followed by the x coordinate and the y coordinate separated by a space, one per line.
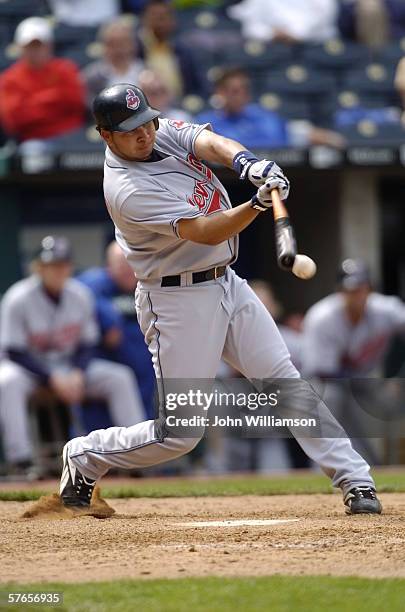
pixel 198 277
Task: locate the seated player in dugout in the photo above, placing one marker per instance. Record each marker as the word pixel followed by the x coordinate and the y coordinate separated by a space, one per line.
pixel 48 333
pixel 176 225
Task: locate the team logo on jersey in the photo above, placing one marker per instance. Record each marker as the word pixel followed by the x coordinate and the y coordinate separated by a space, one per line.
pixel 56 339
pixel 204 198
pixel 133 101
pixel 176 123
pixel 198 165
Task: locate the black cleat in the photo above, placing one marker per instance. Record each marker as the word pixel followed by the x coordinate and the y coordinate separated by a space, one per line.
pixel 75 489
pixel 362 500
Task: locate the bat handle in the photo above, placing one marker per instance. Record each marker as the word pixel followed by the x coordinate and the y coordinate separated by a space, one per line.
pixel 279 210
pixel 286 246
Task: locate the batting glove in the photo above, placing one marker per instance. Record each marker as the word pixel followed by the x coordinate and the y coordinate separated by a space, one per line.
pixel 262 200
pixel 262 171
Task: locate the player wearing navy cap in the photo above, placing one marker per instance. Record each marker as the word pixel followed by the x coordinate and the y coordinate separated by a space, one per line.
pixel 177 227
pixel 47 335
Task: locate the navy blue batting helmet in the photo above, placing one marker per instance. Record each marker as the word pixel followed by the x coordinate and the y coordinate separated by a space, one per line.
pixel 122 108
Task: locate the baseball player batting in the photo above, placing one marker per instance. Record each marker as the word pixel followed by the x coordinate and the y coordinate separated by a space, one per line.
pixel 179 232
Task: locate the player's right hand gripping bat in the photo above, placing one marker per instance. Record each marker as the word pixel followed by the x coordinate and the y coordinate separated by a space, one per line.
pixel 286 246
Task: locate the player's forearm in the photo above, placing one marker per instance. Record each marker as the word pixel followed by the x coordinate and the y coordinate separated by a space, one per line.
pixel 30 363
pixel 217 149
pixel 83 355
pixel 218 227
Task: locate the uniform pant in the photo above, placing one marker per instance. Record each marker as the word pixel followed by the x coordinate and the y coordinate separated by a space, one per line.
pixel 188 329
pixel 104 379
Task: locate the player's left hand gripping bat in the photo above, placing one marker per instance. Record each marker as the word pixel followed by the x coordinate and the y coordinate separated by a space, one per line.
pixel 286 246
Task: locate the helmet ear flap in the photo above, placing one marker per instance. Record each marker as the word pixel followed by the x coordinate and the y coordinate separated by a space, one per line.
pixel 156 123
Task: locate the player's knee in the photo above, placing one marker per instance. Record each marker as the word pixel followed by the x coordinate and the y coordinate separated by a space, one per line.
pixel 184 445
pixel 121 375
pixel 11 375
pixel 191 443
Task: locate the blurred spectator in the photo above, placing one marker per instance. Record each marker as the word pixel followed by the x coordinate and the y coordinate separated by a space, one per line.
pixel 172 61
pixel 160 97
pixel 345 117
pixel 122 340
pixel 84 12
pixel 48 333
pixel 347 333
pixel 396 17
pixel 372 22
pixel 287 21
pixel 400 82
pixel 133 6
pixel 238 118
pixel 120 63
pixel 364 21
pixel 203 4
pixel 40 95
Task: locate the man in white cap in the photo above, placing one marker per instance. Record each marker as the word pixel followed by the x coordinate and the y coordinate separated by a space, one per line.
pixel 41 96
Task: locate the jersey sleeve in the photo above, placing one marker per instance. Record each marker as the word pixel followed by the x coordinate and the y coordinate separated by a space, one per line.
pixel 158 210
pixel 13 332
pixel 185 133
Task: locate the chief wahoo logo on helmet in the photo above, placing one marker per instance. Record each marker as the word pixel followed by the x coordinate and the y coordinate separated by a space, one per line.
pixel 132 99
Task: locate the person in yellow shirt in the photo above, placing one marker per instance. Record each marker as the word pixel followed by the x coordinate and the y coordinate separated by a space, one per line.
pixel 162 54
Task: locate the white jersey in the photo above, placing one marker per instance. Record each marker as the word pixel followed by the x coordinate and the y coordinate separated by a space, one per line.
pixel 333 346
pixel 146 200
pixel 32 322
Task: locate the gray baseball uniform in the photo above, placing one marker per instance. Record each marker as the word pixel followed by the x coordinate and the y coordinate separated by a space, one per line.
pixel 190 326
pixel 337 350
pixel 333 346
pixel 51 332
pixel 146 200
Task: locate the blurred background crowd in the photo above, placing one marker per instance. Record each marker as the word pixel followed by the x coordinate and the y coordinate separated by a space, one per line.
pixel 307 71
pixel 323 76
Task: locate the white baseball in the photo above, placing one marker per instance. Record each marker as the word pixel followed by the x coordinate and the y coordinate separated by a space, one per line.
pixel 304 267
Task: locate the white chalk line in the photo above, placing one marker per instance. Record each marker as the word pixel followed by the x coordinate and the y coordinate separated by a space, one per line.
pixel 236 523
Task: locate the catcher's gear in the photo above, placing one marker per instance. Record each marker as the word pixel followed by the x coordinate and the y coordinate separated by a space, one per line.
pixel 123 108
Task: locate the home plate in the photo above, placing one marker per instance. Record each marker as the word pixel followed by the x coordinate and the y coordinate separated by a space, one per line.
pixel 236 523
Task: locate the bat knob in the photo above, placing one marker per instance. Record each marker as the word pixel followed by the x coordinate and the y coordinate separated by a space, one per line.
pixel 286 261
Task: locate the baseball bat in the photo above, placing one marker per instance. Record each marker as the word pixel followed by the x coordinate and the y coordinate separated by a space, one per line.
pixel 286 245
